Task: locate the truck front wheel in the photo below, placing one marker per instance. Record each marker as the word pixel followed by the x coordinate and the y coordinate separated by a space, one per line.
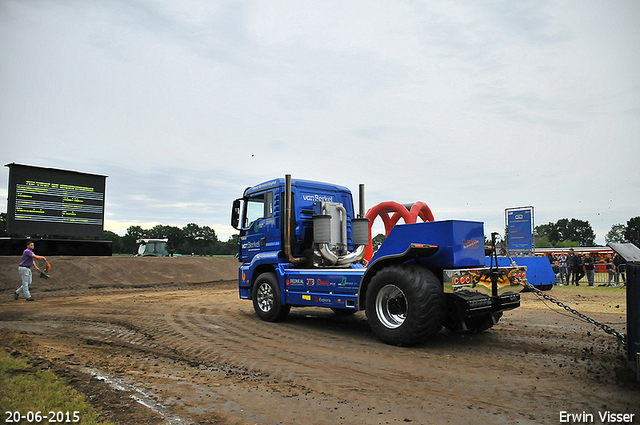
pixel 405 304
pixel 266 299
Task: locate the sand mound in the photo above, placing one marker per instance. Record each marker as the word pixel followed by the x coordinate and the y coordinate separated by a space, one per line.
pixel 69 273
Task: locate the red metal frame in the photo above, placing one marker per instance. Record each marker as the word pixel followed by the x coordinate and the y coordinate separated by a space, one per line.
pixel 384 209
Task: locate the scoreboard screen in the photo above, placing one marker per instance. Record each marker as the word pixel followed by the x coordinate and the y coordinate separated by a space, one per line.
pixel 49 201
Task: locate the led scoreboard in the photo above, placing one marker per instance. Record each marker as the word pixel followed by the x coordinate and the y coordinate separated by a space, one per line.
pixel 48 201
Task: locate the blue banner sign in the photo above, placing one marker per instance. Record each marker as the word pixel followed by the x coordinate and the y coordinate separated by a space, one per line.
pixel 519 225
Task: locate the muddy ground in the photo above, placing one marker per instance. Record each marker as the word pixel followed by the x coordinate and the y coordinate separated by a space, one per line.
pixel 167 341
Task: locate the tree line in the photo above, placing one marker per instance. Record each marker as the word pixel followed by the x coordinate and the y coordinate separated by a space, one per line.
pixel 202 240
pixel 191 239
pixel 566 233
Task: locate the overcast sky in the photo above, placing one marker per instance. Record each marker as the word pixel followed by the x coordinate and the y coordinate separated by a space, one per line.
pixel 471 107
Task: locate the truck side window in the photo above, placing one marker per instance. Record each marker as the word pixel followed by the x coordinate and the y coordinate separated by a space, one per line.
pixel 259 207
pixel 268 205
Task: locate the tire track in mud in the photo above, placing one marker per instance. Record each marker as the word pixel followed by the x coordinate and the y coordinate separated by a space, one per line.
pixel 124 333
pixel 240 339
pixel 239 344
pixel 213 338
pixel 316 360
pixel 233 338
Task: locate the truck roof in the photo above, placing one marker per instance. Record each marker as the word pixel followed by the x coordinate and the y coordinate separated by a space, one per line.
pixel 279 182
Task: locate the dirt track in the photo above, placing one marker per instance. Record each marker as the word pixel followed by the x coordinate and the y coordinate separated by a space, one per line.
pixel 168 341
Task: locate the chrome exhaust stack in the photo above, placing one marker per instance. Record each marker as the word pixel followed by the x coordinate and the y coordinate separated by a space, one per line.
pixel 330 233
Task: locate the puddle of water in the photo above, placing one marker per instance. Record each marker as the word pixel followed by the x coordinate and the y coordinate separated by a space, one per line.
pixel 139 396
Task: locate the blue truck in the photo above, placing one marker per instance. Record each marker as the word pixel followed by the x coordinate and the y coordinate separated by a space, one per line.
pixel 301 244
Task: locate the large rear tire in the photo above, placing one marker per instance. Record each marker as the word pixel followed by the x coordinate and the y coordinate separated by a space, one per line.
pixel 267 302
pixel 405 305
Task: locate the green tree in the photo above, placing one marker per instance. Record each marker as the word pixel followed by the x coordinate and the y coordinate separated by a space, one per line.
pixel 632 233
pixel 192 236
pixel 176 238
pixel 208 234
pixel 209 240
pixel 581 232
pixel 567 244
pixel 174 234
pixel 135 231
pixel 129 239
pixel 200 240
pixel 191 231
pixel 117 245
pixel 568 230
pixel 156 232
pixel 230 247
pixel 3 224
pixel 546 230
pixel 544 242
pixel 616 234
pixel 376 241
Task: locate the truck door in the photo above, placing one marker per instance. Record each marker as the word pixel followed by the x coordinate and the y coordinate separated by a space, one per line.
pixel 259 231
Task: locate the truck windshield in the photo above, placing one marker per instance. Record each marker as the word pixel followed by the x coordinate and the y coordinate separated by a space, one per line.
pixel 153 248
pixel 258 207
pixel 157 248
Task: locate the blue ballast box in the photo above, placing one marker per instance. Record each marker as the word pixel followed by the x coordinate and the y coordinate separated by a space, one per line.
pixel 461 243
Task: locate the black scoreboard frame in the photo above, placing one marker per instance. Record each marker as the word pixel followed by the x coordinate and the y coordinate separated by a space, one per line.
pixel 50 201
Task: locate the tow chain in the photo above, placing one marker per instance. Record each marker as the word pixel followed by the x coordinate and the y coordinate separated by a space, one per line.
pixel 622 338
pixel 608 329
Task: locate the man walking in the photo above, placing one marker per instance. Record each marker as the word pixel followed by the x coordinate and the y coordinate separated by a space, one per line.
pixel 25 271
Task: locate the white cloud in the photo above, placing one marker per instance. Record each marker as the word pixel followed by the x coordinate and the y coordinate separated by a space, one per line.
pixel 471 108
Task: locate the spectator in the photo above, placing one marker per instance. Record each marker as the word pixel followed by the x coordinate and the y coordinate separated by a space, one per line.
pixel 590 268
pixel 562 265
pixel 574 264
pixel 620 264
pixel 555 267
pixel 611 269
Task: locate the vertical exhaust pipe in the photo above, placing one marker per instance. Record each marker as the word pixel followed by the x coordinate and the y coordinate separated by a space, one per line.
pixel 361 201
pixel 287 222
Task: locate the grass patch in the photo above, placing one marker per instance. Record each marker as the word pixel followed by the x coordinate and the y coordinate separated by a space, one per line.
pixel 27 389
pixel 583 298
pixel 596 288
